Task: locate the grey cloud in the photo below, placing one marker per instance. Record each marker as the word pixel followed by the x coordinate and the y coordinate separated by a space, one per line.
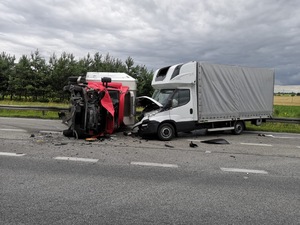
pixel 156 33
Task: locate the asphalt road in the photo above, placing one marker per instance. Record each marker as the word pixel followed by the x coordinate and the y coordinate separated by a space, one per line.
pixel 46 178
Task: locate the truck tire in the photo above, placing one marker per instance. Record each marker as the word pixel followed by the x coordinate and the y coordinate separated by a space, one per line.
pixel 239 127
pixel 166 132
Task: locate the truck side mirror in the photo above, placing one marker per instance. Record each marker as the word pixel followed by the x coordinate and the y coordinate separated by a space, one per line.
pixel 105 81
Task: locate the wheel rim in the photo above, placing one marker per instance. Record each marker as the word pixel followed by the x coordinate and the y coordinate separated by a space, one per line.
pixel 165 132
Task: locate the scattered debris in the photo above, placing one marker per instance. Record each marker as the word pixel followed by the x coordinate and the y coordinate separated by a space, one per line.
pixel 219 141
pixel 232 156
pixel 265 135
pixel 32 135
pixel 127 133
pixel 169 146
pixel 207 151
pixel 62 143
pixel 193 145
pixel 92 139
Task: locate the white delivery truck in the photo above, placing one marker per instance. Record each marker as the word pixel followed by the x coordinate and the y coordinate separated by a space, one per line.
pixel 198 95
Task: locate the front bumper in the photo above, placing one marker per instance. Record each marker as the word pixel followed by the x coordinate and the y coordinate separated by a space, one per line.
pixel 148 127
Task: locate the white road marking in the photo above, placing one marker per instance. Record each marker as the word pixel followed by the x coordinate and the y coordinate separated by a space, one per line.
pixel 11 154
pixel 284 137
pixel 243 170
pixel 255 144
pixel 77 159
pixel 15 130
pixel 154 164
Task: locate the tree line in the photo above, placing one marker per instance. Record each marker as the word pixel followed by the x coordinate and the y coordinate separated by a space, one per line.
pixel 34 79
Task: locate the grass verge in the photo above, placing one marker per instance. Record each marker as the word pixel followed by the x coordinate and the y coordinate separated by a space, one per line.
pixel 289 111
pixel 274 127
pixel 31 113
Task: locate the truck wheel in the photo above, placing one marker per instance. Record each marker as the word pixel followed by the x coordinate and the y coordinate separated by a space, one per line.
pixel 239 127
pixel 165 132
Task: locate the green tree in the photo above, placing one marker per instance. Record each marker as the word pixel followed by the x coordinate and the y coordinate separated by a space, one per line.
pixel 7 63
pixel 96 65
pixel 144 79
pixel 60 70
pixel 33 77
pixel 110 64
pixel 129 64
pixel 84 65
pixel 19 79
pixel 39 77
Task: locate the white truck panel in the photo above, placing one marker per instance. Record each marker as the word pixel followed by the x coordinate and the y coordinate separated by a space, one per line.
pixel 233 92
pixel 123 78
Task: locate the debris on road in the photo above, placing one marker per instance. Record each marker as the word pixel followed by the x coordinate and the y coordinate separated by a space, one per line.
pixel 92 139
pixel 127 133
pixel 169 146
pixel 265 135
pixel 219 141
pixel 59 144
pixel 193 145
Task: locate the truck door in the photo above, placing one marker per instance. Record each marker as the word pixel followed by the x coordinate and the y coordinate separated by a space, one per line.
pixel 181 110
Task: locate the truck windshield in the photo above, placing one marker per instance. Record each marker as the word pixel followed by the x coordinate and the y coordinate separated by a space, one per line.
pixel 162 95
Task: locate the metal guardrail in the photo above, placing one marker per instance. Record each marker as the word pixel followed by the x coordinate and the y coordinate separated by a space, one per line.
pixel 37 108
pixel 43 109
pixel 46 108
pixel 284 120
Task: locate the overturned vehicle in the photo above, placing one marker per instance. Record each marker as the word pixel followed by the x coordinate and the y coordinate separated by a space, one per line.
pixel 101 103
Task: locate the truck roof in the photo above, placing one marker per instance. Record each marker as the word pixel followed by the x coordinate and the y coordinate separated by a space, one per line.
pixel 123 78
pixel 96 76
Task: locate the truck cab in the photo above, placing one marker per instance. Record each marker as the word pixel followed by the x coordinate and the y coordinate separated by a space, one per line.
pixel 173 106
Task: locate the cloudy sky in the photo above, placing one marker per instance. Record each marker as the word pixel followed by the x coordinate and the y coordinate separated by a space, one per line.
pixel 156 33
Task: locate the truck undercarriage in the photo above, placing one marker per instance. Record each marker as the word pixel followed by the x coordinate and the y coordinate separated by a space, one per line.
pixel 96 108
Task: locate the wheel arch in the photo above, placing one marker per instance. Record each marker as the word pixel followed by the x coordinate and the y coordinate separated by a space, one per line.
pixel 172 122
pixel 166 130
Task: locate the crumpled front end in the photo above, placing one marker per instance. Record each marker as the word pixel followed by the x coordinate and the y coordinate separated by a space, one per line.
pixel 96 108
pixel 144 126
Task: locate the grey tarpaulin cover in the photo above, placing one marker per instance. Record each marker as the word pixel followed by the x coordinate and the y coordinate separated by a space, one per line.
pixel 234 92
